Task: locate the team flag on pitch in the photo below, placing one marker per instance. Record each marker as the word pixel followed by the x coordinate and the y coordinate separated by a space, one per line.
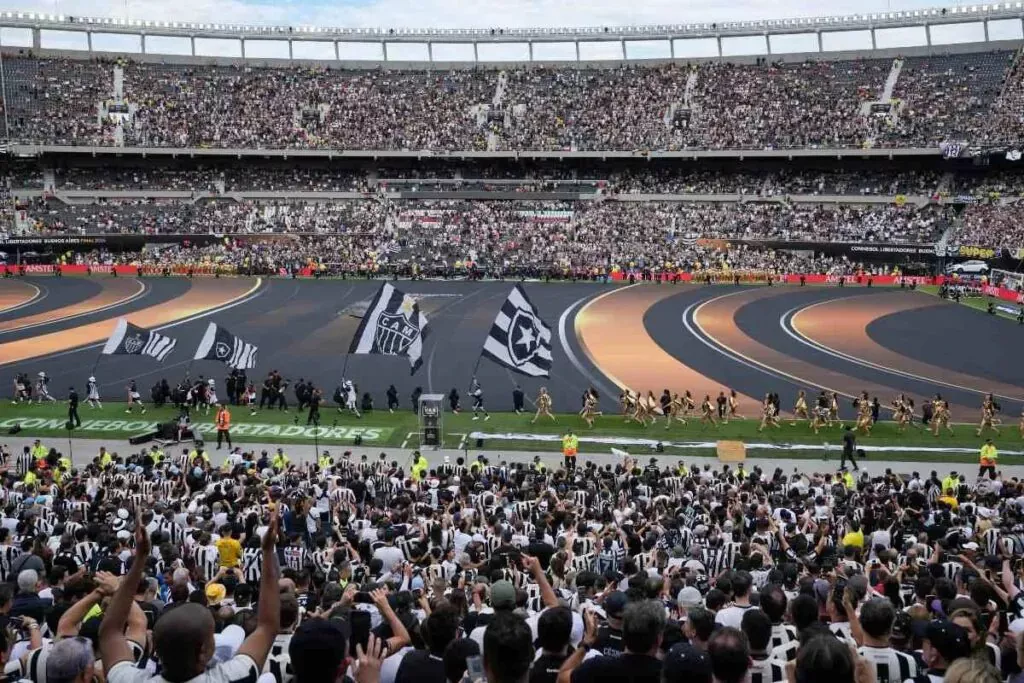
pixel 133 340
pixel 219 344
pixel 519 339
pixel 392 326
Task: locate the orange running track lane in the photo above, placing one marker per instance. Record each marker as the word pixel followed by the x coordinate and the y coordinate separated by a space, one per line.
pixel 203 295
pixel 17 293
pixel 113 292
pixel 610 329
pixel 840 325
pixel 717 319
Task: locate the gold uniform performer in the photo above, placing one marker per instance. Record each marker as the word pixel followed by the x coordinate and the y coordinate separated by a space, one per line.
pixel 543 405
pixel 900 413
pixel 626 406
pixel 734 404
pixel 768 414
pixel 820 418
pixel 590 411
pixel 707 410
pixel 940 415
pixel 800 409
pixel 988 416
pixel 863 413
pixel 833 408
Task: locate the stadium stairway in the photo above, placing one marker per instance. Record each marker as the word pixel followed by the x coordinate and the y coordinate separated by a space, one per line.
pixel 890 81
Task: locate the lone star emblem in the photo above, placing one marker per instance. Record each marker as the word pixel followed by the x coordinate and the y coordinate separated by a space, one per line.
pixel 523 338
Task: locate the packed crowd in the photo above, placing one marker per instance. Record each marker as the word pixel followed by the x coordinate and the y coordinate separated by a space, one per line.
pixel 170 567
pixel 486 226
pixel 998 226
pixel 965 98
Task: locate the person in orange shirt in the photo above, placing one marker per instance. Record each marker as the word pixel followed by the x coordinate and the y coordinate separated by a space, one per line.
pixel 223 423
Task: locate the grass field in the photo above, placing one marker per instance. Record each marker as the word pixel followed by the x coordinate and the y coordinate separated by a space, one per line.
pixel 381 429
pixel 979 303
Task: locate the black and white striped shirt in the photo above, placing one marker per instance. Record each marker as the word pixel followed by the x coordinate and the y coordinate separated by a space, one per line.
pixel 890 666
pixel 767 671
pixel 252 564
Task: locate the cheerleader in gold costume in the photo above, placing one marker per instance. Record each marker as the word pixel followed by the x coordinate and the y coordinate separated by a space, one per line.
pixel 639 410
pixel 734 405
pixel 863 405
pixel 707 409
pixel 626 405
pixel 800 409
pixel 833 409
pixel 590 411
pixel 769 415
pixel 988 415
pixel 543 405
pixel 940 415
pixel 900 413
pixel 674 411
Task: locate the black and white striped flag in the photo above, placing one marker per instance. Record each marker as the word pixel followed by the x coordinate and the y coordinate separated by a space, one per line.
pixel 519 339
pixel 133 340
pixel 219 344
pixel 392 326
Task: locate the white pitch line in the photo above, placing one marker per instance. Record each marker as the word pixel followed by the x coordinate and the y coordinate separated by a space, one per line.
pixel 407 437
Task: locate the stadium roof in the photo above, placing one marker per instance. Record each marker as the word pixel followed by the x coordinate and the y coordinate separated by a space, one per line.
pixel 41 24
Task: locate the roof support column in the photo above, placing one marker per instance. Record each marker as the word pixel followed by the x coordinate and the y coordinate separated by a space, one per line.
pixel 37 39
pixel 623 49
pixel 142 43
pixel 718 40
pixel 577 43
pixel 874 41
pixel 928 34
pixel 192 41
pixel 430 52
pixel 671 47
pixel 985 24
pixel 384 50
pixel 88 40
pixel 767 44
pixel 476 53
pixel 529 46
pixel 821 47
pixel 241 39
pixel 337 54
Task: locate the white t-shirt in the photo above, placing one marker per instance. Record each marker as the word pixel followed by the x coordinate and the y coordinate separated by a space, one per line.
pixel 236 670
pixel 732 616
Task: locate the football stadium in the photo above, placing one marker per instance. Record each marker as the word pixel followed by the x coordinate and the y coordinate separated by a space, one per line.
pixel 507 354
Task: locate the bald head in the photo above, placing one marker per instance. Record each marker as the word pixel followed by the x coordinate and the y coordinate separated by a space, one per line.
pixel 183 637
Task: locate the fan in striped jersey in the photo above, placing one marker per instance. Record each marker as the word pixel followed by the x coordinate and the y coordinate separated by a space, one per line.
pixel 132 340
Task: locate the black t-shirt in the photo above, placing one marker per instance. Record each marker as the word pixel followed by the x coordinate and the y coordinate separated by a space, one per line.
pixel 626 667
pixel 849 441
pixel 418 666
pixel 609 641
pixel 545 668
pixel 542 551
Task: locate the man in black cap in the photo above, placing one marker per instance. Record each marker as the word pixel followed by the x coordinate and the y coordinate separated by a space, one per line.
pixel 609 634
pixel 944 643
pixel 686 663
pixel 849 444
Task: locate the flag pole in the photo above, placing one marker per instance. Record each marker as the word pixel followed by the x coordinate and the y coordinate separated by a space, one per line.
pixel 99 357
pixel 344 367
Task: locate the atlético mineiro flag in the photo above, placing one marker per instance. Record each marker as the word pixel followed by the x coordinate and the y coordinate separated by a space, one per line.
pixel 219 344
pixel 133 340
pixel 519 339
pixel 392 326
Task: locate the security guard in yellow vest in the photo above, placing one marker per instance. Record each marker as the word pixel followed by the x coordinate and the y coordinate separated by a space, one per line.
pixel 280 461
pixel 419 467
pixel 682 471
pixel 951 483
pixel 989 458
pixel 741 473
pixel 198 452
pixel 105 457
pixel 477 465
pixel 157 455
pixel 848 481
pixel 64 462
pixel 538 465
pixel 39 451
pixel 570 446
pixel 325 461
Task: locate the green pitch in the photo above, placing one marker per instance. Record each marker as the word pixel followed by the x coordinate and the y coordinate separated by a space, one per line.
pixel 383 429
